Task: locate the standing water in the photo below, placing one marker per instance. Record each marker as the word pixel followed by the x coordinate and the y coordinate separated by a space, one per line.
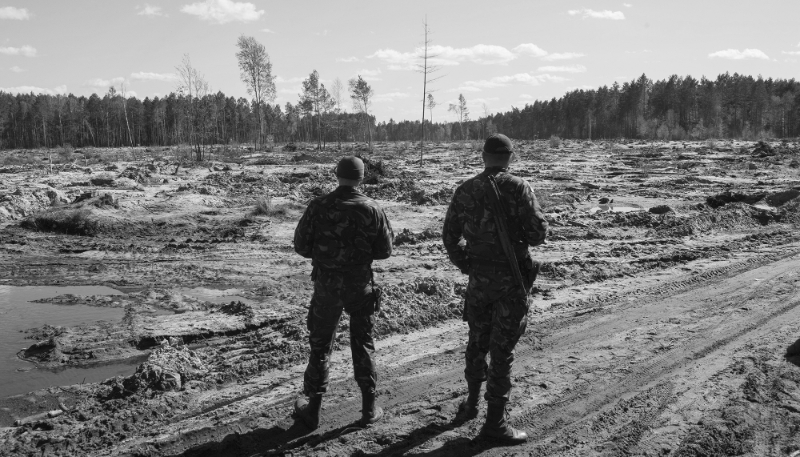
pixel 17 314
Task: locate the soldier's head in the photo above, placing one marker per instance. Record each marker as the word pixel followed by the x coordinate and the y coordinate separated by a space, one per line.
pixel 497 151
pixel 350 171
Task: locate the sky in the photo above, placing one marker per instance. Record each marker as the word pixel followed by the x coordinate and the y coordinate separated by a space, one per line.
pixel 497 54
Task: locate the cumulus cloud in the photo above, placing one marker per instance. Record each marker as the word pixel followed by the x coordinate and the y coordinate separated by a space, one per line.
pixel 27 51
pixel 484 54
pixel 562 56
pixel 735 54
pixel 19 14
pixel 605 14
pixel 17 69
pixel 627 5
pixel 60 90
pixel 389 96
pixel 563 69
pixel 150 10
pixel 519 78
pixel 348 59
pixel 100 83
pixel 268 31
pixel 369 75
pixel 530 49
pixel 148 76
pixel 223 11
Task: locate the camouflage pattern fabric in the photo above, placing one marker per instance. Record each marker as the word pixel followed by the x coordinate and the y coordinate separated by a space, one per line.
pixel 342 230
pixel 342 233
pixel 495 306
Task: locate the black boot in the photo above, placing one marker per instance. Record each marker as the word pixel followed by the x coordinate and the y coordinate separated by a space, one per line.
pixel 369 412
pixel 468 408
pixel 497 428
pixel 306 410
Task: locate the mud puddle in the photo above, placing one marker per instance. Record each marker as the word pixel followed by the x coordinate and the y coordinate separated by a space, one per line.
pixel 18 313
pixel 216 296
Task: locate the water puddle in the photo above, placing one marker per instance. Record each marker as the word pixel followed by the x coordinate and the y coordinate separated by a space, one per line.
pixel 216 296
pixel 18 314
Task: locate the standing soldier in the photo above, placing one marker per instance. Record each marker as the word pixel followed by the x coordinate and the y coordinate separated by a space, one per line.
pixel 342 232
pixel 496 304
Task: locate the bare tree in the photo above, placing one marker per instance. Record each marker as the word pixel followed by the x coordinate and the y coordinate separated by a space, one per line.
pixel 461 110
pixel 431 105
pixel 192 84
pixel 337 90
pixel 125 111
pixel 256 72
pixel 362 93
pixel 426 69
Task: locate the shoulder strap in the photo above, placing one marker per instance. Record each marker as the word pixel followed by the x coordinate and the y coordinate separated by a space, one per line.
pixel 502 232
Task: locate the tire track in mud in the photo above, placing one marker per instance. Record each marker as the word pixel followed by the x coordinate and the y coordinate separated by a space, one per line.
pixel 557 421
pixel 547 421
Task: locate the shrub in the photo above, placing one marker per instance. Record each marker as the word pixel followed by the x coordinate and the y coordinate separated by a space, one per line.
pixel 554 141
pixel 70 222
pixel 264 206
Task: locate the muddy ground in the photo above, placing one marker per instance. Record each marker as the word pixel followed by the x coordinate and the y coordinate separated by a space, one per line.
pixel 665 319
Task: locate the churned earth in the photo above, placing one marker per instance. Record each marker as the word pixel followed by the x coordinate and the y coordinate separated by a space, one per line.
pixel 665 319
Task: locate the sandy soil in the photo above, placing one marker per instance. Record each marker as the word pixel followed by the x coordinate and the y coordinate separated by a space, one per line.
pixel 665 319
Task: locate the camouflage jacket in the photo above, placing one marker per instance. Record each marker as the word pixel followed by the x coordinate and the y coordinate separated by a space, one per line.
pixel 343 230
pixel 470 216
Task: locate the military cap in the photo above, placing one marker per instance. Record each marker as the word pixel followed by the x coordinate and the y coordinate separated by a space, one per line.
pixel 497 144
pixel 350 168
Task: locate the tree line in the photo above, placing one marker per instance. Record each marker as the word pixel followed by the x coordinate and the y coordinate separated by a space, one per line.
pixel 732 106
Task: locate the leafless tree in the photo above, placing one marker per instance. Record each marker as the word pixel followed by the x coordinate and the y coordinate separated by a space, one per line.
pixel 427 70
pixel 192 84
pixel 256 72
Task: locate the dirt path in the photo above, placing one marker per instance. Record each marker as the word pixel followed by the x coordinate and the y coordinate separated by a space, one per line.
pixel 653 373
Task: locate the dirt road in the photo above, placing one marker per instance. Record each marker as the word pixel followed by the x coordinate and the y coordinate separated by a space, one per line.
pixel 691 366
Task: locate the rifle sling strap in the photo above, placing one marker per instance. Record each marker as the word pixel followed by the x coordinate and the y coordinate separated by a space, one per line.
pixel 502 232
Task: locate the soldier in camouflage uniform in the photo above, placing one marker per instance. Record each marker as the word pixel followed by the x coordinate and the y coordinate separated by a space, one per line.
pixel 496 306
pixel 342 232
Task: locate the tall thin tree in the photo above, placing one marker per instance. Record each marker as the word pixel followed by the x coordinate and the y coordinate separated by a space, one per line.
pixel 426 69
pixel 362 93
pixel 256 72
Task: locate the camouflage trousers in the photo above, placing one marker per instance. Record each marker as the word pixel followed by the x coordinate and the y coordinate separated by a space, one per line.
pixel 334 292
pixel 496 311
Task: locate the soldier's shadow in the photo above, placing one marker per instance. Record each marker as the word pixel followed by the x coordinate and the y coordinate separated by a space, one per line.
pixel 462 446
pixel 793 353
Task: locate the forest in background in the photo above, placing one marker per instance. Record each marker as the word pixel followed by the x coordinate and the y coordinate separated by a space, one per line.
pixel 676 108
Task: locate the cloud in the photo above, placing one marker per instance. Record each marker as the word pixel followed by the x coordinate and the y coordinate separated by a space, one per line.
pixel 520 78
pixel 296 79
pixel 19 14
pixel 530 49
pixel 149 10
pixel 27 51
pixel 483 54
pixel 100 83
pixel 268 31
pixel 17 69
pixel 791 53
pixel 348 59
pixel 627 5
pixel 147 76
pixel 369 75
pixel 735 54
pixel 562 56
pixel 60 90
pixel 390 96
pixel 605 14
pixel 223 11
pixel 563 69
